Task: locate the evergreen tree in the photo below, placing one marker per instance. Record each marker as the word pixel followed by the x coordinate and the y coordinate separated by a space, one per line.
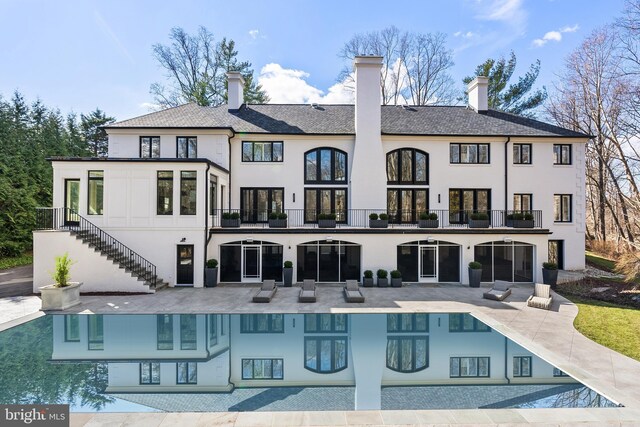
pixel 93 133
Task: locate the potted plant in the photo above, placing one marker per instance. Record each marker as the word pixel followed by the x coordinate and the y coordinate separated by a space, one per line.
pixel 287 274
pixel 63 293
pixel 383 282
pixel 479 220
pixel 211 273
pixel 428 220
pixel 475 274
pixel 327 220
pixel 277 220
pixel 396 279
pixel 550 274
pixel 367 279
pixel 378 221
pixel 523 220
pixel 230 220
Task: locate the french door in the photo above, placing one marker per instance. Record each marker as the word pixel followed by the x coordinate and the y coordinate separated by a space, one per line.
pixel 71 201
pixel 251 263
pixel 428 263
pixel 463 202
pixel 257 203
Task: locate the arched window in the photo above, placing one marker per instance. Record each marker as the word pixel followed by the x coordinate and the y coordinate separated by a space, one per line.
pixel 326 354
pixel 407 166
pixel 325 166
pixel 408 353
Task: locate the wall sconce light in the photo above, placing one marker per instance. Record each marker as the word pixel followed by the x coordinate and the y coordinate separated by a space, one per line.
pixel 430 239
pixel 184 239
pixel 329 239
pixel 250 239
pixel 438 198
pixel 294 197
pixel 507 240
pixel 468 247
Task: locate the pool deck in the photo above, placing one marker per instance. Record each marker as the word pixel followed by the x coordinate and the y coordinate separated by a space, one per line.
pixel 549 334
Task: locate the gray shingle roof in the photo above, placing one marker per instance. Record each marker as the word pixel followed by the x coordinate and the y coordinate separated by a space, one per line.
pixel 339 120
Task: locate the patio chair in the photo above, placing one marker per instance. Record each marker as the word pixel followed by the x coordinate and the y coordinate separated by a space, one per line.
pixel 352 292
pixel 541 297
pixel 499 292
pixel 307 291
pixel 266 292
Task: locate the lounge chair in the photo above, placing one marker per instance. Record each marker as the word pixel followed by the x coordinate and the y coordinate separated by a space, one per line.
pixel 266 292
pixel 541 297
pixel 499 291
pixel 352 292
pixel 307 291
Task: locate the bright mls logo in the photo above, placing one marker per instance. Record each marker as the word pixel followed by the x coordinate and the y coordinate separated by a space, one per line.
pixel 34 415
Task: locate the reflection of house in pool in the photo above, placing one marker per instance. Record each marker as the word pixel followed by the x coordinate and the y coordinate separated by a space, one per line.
pixel 313 361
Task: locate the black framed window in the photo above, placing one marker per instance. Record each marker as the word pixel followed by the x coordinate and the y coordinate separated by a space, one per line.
pixel 562 154
pixel 71 328
pixel 325 355
pixel 407 166
pixel 562 207
pixel 188 332
pixel 165 193
pixel 408 353
pixel 262 151
pixel 418 322
pixel 559 373
pixel 261 323
pixel 95 202
pixel 469 153
pixel 325 166
pixel 186 147
pixel 257 203
pixel 164 331
pixel 212 329
pixel 213 194
pixel 325 323
pixel 186 373
pixel 262 369
pixel 521 154
pixel 149 147
pixel 463 202
pixel 464 322
pixel 325 201
pixel 522 366
pixel 188 196
pixel 465 367
pixel 95 332
pixel 404 205
pixel 150 373
pixel 522 202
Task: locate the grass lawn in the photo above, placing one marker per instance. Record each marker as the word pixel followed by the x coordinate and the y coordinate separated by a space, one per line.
pixel 608 324
pixel 599 261
pixel 24 259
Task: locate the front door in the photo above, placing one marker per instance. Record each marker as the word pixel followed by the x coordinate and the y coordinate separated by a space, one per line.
pixel 71 201
pixel 251 268
pixel 185 265
pixel 428 263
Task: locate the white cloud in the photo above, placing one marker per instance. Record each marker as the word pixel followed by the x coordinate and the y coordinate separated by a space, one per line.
pixel 555 35
pixel 254 34
pixel 149 106
pixel 569 29
pixel 510 11
pixel 464 35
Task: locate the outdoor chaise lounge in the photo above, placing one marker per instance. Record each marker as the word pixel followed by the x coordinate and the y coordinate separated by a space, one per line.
pixel 307 291
pixel 499 291
pixel 541 297
pixel 266 292
pixel 352 292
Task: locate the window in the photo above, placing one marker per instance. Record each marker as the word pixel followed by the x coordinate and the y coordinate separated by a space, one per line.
pixel 149 373
pixel 71 328
pixel 325 201
pixel 325 166
pixel 212 325
pixel 257 203
pixel 165 193
pixel 187 147
pixel 323 323
pixel 463 202
pixel 164 333
pixel 96 192
pixel 186 373
pixel 262 369
pixel 562 207
pixel 558 373
pixel 407 166
pixel 188 184
pixel 469 153
pixel 95 332
pixel 464 322
pixel 522 202
pixel 325 355
pixel 149 147
pixel 261 151
pixel 324 261
pixel 522 366
pixel 468 367
pixel 561 154
pixel 407 354
pixel 188 332
pixel 408 322
pixel 213 194
pixel 261 323
pixel 512 262
pixel 405 205
pixel 521 154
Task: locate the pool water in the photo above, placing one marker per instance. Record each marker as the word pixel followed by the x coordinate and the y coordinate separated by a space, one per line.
pixel 277 362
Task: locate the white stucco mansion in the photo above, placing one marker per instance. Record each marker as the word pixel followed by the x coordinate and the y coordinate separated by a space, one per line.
pixel 255 185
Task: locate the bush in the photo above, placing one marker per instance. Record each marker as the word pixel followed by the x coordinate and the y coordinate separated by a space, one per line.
pixel 479 216
pixel 373 216
pixel 433 216
pixel 273 215
pixel 327 216
pixel 288 264
pixel 424 216
pixel 61 274
pixel 528 216
pixel 395 274
pixel 212 263
pixel 382 274
pixel 549 265
pixel 384 217
pixel 282 215
pixel 629 265
pixel 368 274
pixel 475 265
pixel 11 249
pixel 226 215
pixel 234 215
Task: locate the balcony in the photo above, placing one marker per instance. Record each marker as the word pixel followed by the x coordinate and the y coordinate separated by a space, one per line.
pixel 361 219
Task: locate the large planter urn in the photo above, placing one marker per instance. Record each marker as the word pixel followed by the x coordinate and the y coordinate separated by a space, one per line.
pixel 474 277
pixel 396 282
pixel 287 277
pixel 211 277
pixel 383 283
pixel 60 298
pixel 367 282
pixel 550 277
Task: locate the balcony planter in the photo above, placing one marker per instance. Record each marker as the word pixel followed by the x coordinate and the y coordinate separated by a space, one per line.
pixel 479 220
pixel 367 279
pixel 60 298
pixel 520 220
pixel 383 282
pixel 287 274
pixel 230 220
pixel 277 220
pixel 327 220
pixel 376 221
pixel 211 274
pixel 550 274
pixel 475 274
pixel 396 279
pixel 428 220
pixel 523 223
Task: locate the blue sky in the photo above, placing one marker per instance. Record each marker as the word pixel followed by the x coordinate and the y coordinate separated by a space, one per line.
pixel 78 55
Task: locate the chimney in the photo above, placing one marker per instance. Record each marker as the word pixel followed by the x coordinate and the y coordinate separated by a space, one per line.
pixel 477 92
pixel 235 90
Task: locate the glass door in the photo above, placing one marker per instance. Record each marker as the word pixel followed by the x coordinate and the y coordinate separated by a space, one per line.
pixel 251 267
pixel 428 263
pixel 185 265
pixel 71 201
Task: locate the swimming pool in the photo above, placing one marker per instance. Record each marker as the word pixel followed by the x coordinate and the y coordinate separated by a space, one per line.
pixel 277 362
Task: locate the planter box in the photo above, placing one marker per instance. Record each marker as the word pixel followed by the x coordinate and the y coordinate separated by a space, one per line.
pixel 383 283
pixel 54 298
pixel 522 223
pixel 378 223
pixel 287 277
pixel 211 277
pixel 428 223
pixel 367 282
pixel 277 223
pixel 230 223
pixel 550 277
pixel 474 278
pixel 479 223
pixel 326 223
pixel 396 283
